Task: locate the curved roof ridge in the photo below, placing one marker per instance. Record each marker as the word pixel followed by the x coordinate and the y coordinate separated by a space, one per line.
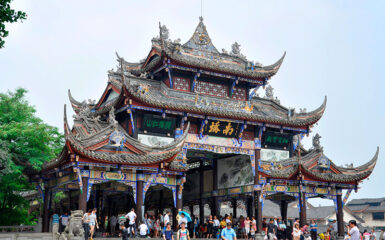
pixel 318 111
pixel 369 165
pixel 104 133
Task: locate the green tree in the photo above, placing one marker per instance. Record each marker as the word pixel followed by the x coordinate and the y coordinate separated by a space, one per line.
pixel 25 142
pixel 8 15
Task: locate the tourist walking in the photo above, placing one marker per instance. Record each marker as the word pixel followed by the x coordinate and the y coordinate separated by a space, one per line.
pixel 281 228
pixel 271 229
pixel 366 235
pixel 210 227
pixel 63 222
pixel 264 225
pixel 93 223
pixel 372 235
pixel 228 233
pixel 183 233
pixel 216 226
pixel 353 231
pixel 382 237
pixel 168 233
pixel 86 224
pixel 296 232
pixel 131 216
pixel 313 230
pixel 166 219
pixel 157 227
pixel 113 222
pixel 247 227
pixel 143 230
pixel 196 227
pixel 125 232
pixel 182 219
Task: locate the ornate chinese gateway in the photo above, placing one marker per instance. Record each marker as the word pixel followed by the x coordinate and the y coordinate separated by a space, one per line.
pixel 184 128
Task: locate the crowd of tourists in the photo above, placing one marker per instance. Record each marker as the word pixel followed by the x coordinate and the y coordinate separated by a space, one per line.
pixel 222 227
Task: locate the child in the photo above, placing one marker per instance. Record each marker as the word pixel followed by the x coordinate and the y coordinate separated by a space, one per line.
pixel 252 233
pixel 183 233
pixel 125 233
pixel 168 233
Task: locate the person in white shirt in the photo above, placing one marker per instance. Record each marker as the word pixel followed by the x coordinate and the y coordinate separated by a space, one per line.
pixel 353 231
pixel 63 222
pixel 182 219
pixel 143 230
pixel 131 216
pixel 166 219
pixel 216 226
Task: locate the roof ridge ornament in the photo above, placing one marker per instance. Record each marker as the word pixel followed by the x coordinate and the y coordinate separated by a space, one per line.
pixel 317 143
pixel 200 40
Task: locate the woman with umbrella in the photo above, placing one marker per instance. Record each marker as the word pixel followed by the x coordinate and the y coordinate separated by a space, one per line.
pixel 183 217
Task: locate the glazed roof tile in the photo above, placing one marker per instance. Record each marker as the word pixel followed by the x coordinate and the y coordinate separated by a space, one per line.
pixel 91 137
pixel 263 110
pixel 91 131
pixel 287 168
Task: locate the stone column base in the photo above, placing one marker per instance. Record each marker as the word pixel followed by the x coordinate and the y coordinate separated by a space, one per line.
pixel 340 237
pixel 259 236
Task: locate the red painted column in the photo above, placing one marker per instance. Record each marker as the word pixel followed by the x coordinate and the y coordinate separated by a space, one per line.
pixel 83 195
pixel 47 199
pixel 139 197
pixel 257 193
pixel 340 214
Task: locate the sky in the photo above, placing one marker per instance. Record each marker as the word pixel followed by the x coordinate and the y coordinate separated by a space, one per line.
pixel 334 48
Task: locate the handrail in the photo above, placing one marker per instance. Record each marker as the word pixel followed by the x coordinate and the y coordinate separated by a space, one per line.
pixel 19 228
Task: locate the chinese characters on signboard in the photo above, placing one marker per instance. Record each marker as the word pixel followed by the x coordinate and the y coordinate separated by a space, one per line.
pixel 157 124
pixel 221 129
pixel 276 140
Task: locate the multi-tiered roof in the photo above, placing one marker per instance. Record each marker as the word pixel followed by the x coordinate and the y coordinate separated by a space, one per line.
pixel 97 136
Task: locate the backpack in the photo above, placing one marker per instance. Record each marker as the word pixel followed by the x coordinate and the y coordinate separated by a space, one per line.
pixel 179 233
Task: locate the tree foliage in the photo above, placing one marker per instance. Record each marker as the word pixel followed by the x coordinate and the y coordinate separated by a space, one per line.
pixel 25 142
pixel 8 15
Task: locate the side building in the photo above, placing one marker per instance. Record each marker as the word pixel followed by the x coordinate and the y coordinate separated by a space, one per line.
pixel 371 210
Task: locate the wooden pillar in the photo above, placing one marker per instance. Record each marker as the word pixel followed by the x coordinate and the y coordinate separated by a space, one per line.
pixel 215 203
pixel 302 208
pixel 249 206
pixel 201 211
pixel 179 197
pixel 340 214
pixel 174 213
pixel 139 197
pixel 161 203
pixel 283 209
pixel 257 193
pixel 47 199
pixel 234 203
pixel 201 206
pixel 179 204
pixel 252 205
pixel 83 195
pixel 69 201
pixel 191 210
pixel 97 201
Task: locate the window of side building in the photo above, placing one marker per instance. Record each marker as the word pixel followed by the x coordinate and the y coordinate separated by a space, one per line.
pixel 378 216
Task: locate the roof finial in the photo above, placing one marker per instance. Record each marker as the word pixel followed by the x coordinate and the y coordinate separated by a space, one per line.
pixel 201 17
